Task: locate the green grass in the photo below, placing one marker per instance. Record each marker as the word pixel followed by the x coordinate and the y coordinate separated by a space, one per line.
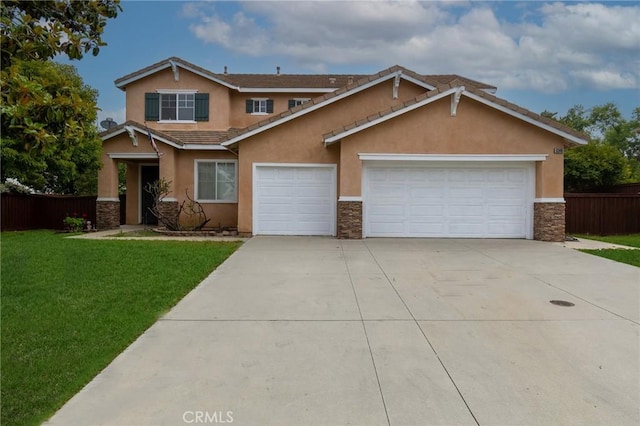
pixel 70 306
pixel 632 240
pixel 629 256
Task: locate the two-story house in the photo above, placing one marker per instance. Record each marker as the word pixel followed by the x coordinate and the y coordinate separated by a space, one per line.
pixel 395 153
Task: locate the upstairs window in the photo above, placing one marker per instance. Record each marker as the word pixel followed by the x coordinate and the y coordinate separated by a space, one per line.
pixel 259 106
pixel 297 101
pixel 179 107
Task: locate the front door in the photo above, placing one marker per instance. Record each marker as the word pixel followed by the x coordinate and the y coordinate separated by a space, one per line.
pixel 148 174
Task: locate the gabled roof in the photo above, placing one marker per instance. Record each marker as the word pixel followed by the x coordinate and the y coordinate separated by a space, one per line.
pixel 180 139
pixel 469 90
pixel 442 91
pixel 327 99
pixel 322 83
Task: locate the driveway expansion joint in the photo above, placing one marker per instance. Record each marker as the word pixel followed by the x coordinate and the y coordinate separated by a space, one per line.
pixel 364 328
pixel 423 333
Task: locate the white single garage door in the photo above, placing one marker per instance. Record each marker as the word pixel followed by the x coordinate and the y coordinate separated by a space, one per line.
pixel 462 201
pixel 294 199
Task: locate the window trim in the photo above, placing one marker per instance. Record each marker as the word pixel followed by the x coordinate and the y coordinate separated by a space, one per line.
pixel 176 92
pixel 196 162
pixel 300 101
pixel 253 111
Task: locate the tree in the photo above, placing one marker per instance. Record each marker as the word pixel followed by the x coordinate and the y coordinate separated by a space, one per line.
pixel 49 138
pixel 613 153
pixel 40 30
pixel 595 165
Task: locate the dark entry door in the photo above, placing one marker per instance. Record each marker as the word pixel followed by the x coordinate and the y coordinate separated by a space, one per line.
pixel 148 174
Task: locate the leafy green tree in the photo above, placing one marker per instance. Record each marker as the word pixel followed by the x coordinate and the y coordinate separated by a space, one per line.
pixel 49 139
pixel 595 165
pixel 40 30
pixel 613 153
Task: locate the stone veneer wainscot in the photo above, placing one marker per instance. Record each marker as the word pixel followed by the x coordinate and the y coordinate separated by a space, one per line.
pixel 548 221
pixel 107 214
pixel 350 219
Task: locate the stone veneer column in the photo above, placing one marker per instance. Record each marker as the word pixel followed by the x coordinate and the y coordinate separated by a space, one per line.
pixel 107 214
pixel 548 221
pixel 168 209
pixel 350 219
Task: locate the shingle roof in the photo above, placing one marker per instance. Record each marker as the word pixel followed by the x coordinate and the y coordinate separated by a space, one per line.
pixel 204 137
pixel 284 81
pixel 179 137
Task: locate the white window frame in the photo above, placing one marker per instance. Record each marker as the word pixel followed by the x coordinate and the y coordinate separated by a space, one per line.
pixel 262 104
pixel 176 93
pixel 300 101
pixel 195 181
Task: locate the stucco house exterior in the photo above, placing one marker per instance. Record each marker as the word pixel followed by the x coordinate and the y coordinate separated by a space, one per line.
pixel 393 154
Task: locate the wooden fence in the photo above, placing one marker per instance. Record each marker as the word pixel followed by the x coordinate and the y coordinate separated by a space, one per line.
pixel 602 214
pixel 25 211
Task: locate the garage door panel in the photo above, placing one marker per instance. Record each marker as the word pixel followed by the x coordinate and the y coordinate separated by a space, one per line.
pixel 443 200
pixel 294 200
pixel 426 211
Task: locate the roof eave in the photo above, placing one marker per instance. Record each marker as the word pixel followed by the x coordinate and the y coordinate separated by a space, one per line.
pixel 121 84
pixel 319 105
pixel 567 136
pixel 336 138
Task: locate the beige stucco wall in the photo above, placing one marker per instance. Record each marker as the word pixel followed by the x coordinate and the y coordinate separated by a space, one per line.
pixel 226 106
pixel 218 99
pixel 477 129
pixel 300 140
pixel 176 166
pixel 221 214
pixel 238 114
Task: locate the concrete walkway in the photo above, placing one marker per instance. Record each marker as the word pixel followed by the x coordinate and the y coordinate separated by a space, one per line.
pixel 319 331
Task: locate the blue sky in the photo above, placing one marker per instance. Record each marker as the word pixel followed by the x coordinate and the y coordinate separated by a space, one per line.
pixel 540 55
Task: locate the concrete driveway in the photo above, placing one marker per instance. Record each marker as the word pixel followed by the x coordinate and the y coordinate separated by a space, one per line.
pixel 319 331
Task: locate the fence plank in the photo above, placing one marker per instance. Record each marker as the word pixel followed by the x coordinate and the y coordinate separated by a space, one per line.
pixel 35 211
pixel 602 214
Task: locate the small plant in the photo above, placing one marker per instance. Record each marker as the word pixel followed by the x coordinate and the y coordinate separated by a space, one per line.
pixel 75 223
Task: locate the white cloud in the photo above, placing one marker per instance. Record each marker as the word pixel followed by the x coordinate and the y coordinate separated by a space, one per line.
pixel 551 48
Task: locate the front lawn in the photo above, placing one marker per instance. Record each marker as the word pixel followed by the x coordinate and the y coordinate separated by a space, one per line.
pixel 629 256
pixel 632 240
pixel 70 306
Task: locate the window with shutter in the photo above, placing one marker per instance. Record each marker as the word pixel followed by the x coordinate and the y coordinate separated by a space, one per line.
pixel 259 106
pixel 297 101
pixel 152 106
pixel 202 107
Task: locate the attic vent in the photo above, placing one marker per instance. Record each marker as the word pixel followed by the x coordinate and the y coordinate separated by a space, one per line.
pixel 278 70
pixel 350 80
pixel 332 80
pixel 225 69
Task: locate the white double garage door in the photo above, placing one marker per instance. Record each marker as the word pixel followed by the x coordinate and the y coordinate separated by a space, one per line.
pixel 462 200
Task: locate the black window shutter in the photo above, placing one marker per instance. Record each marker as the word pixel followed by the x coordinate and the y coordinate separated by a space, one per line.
pixel 292 103
pixel 202 107
pixel 152 106
pixel 249 106
pixel 269 106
